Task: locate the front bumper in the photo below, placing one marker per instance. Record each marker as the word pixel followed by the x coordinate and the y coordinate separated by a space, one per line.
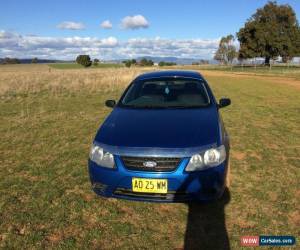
pixel 183 186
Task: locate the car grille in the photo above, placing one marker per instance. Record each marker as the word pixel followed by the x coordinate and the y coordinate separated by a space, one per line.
pixel 170 196
pixel 164 164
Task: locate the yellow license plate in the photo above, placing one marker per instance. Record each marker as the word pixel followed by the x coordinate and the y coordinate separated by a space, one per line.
pixel 143 185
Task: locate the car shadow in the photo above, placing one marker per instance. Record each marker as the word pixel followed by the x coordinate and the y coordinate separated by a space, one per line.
pixel 206 227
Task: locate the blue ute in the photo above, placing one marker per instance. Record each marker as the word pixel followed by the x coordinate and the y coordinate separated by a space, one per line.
pixel 164 141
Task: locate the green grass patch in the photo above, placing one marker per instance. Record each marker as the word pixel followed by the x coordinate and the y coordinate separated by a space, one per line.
pixel 291 71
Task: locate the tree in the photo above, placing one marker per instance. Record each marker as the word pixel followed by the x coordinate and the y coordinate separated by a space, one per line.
pixel 84 60
pixel 271 32
pixel 145 62
pixel 226 51
pixel 96 61
pixel 203 61
pixel 128 63
pixel 34 60
pixel 162 63
pixel 150 63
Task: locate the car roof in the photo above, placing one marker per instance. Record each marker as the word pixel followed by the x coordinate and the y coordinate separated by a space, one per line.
pixel 170 73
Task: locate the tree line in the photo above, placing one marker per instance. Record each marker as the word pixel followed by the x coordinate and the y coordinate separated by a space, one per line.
pixel 86 61
pixel 10 60
pixel 146 62
pixel 142 62
pixel 272 31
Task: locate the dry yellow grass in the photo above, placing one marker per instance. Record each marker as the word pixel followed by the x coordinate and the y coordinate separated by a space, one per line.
pixel 16 79
pixel 28 79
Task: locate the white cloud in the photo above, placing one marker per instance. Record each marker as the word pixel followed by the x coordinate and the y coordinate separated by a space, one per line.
pixel 134 22
pixel 71 26
pixel 27 46
pixel 109 42
pixel 189 48
pixel 106 24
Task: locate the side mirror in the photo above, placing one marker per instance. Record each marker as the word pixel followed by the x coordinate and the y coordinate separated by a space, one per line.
pixel 110 103
pixel 223 102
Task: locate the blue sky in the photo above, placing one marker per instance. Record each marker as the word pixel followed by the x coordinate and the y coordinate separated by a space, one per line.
pixel 197 25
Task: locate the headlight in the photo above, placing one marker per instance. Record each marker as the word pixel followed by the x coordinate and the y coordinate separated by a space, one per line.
pixel 101 157
pixel 209 158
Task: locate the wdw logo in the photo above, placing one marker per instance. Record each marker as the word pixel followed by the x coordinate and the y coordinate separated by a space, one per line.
pixel 250 241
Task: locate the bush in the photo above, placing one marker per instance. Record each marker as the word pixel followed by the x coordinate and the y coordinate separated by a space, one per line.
pixel 96 61
pixel 128 63
pixel 34 60
pixel 145 62
pixel 162 63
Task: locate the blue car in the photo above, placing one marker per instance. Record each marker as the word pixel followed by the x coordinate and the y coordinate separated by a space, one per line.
pixel 163 141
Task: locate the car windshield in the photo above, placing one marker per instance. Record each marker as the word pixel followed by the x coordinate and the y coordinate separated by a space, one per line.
pixel 166 93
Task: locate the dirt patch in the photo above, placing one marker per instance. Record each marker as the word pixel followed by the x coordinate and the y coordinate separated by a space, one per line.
pixel 164 209
pixel 129 217
pixel 297 194
pixel 65 233
pixel 256 155
pixel 243 223
pixel 238 155
pixel 273 196
pixel 294 218
pixel 55 237
pixel 273 146
pixel 88 197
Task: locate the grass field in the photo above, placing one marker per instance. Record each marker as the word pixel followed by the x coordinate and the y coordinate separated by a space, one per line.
pixel 48 120
pixel 276 70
